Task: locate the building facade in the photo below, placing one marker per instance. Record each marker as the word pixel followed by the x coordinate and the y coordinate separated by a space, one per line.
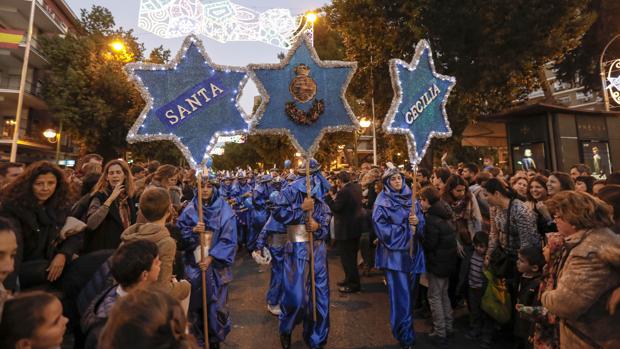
pixel 51 18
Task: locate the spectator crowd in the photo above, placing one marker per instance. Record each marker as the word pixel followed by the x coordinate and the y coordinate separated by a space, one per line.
pixel 104 253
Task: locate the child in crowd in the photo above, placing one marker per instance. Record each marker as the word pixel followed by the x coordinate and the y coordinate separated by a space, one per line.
pixel 481 323
pixel 155 208
pixel 530 263
pixel 147 319
pixel 134 266
pixel 32 320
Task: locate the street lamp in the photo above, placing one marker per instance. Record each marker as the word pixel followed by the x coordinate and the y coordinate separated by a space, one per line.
pixel 54 137
pixel 365 123
pixel 602 72
pixel 311 17
pixel 117 46
pixel 51 135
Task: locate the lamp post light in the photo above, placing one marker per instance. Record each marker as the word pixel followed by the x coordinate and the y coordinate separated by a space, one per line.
pixel 364 123
pixel 602 72
pixel 54 137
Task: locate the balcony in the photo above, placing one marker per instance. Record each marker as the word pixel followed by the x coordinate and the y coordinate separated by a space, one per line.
pixel 9 91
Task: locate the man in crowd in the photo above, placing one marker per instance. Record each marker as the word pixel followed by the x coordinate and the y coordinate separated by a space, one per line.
pixel 578 170
pixel 470 171
pixel 346 206
pixel 9 171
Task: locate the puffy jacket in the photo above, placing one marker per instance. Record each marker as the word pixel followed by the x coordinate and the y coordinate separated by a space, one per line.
pixel 439 240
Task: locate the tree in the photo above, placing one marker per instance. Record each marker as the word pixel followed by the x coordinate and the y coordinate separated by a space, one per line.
pixel 494 48
pixel 581 65
pixel 86 86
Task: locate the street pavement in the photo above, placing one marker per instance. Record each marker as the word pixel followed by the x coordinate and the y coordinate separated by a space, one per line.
pixel 358 321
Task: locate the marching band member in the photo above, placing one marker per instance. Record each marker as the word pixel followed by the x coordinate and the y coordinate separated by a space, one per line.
pixel 260 213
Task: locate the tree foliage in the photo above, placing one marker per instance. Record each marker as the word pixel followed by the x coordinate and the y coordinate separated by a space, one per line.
pixel 494 48
pixel 86 86
pixel 581 65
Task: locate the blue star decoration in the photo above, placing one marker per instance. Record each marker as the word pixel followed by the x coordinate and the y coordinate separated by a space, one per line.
pixel 276 82
pixel 418 108
pixel 189 101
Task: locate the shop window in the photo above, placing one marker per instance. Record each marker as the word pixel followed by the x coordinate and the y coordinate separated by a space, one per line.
pixel 528 156
pixel 596 155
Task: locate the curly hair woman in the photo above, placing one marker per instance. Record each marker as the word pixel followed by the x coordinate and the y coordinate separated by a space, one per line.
pixel 37 204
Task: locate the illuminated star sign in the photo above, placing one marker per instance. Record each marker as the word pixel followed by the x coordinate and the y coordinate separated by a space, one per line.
pixel 190 101
pixel 418 108
pixel 325 85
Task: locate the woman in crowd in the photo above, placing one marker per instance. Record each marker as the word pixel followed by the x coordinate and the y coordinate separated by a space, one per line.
pixel 559 181
pixel 167 177
pixel 588 272
pixel 146 319
pixel 611 195
pixel 32 320
pixel 518 183
pixel 584 184
pixel 536 197
pixel 37 204
pixel 513 226
pixel 393 223
pixel 112 208
pixel 467 219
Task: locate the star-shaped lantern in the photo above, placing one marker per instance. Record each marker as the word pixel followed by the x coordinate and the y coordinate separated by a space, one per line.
pixel 304 97
pixel 190 101
pixel 419 105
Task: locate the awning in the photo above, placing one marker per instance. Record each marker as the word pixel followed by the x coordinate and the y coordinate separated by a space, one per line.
pixel 485 134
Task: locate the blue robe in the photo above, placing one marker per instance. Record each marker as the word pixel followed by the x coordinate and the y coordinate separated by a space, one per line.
pixel 296 302
pixel 243 213
pixel 275 291
pixel 219 218
pixel 260 213
pixel 390 217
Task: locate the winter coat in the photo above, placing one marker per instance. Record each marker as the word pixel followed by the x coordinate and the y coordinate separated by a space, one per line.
pixel 439 240
pixel 589 273
pixel 167 248
pixel 38 241
pixel 107 234
pixel 348 213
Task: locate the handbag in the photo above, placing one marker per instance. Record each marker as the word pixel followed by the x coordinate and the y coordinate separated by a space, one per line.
pixel 499 263
pixel 496 300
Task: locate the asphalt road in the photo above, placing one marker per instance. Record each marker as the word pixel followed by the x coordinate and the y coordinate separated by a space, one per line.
pixel 358 321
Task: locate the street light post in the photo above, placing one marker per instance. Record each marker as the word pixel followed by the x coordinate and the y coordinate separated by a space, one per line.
pixel 22 85
pixel 372 107
pixel 602 72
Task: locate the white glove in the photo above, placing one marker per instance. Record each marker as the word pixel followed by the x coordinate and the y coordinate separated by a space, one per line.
pixel 263 258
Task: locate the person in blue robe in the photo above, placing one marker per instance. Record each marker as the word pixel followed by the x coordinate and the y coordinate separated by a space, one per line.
pixel 300 215
pixel 273 236
pixel 220 221
pixel 260 212
pixel 226 189
pixel 399 252
pixel 242 207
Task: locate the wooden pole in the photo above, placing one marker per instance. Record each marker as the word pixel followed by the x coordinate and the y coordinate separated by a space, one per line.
pixel 205 313
pixel 311 236
pixel 414 194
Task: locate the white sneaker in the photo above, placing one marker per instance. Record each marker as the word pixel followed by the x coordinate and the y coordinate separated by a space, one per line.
pixel 274 309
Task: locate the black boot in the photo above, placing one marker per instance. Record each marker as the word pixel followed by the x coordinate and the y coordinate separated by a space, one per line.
pixel 214 345
pixel 285 341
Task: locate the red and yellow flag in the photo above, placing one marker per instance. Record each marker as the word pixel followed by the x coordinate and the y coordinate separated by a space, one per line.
pixel 10 38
